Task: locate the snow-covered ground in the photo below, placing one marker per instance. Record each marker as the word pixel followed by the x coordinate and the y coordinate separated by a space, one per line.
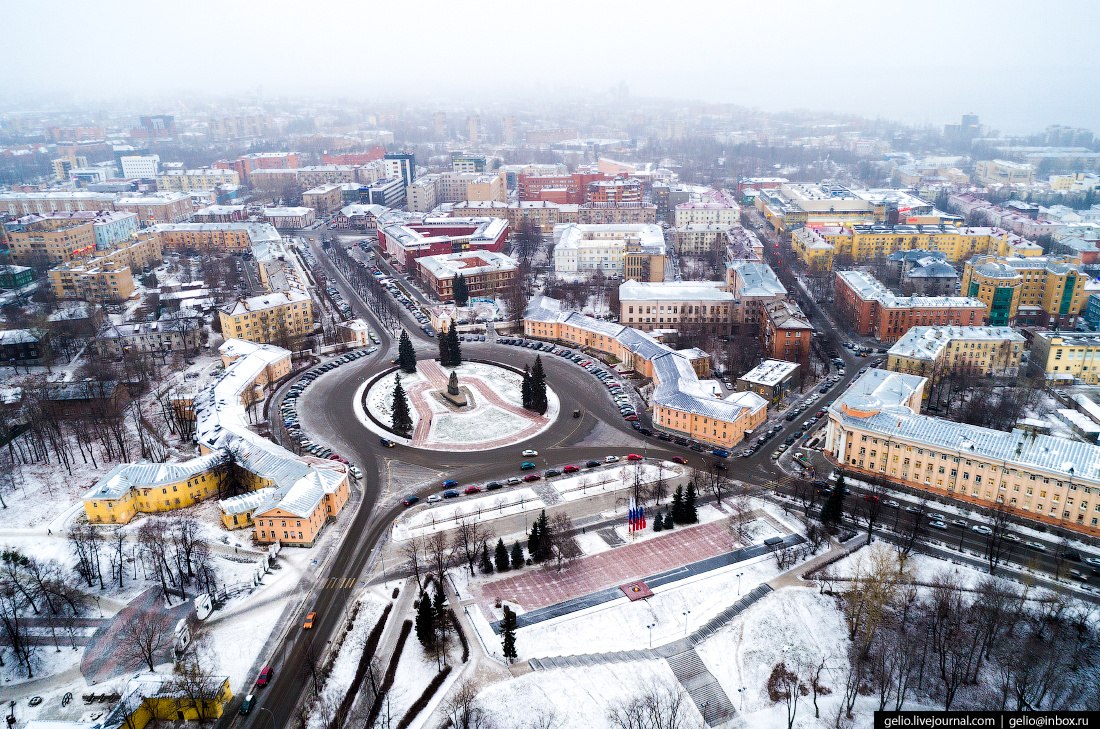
pixel 380 397
pixel 492 505
pixel 584 484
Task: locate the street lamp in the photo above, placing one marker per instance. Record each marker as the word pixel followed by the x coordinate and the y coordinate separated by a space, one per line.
pixel 651 626
pixel 742 692
pixel 685 614
pixel 739 582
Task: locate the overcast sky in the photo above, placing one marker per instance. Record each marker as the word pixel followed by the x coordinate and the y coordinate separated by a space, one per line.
pixel 1019 65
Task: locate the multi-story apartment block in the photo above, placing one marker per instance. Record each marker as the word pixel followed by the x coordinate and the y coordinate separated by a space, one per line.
pixel 753 285
pixel 793 205
pixel 15 277
pixel 1002 172
pixel 169 335
pixel 62 166
pixel 43 203
pixel 617 191
pixel 427 192
pixel 1066 357
pixel 246 164
pixel 486 273
pixel 700 238
pixel 681 403
pixel 359 217
pixel 586 249
pixel 1075 182
pixel 542 215
pixel 875 429
pixel 873 310
pixel 401 165
pixel 935 352
pixel 215 237
pixel 108 277
pixel 461 162
pixel 785 332
pixel 617 214
pixel 200 179
pixel 280 317
pixel 35 240
pixel 1045 291
pixel 716 207
pixel 389 192
pixel 219 214
pixel 324 199
pixel 703 306
pixel 167 207
pixel 557 187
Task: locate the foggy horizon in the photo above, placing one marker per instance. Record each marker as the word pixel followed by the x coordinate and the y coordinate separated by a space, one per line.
pixel 1004 62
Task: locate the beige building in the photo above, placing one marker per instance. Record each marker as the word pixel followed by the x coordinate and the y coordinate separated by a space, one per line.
pixel 278 318
pixel 700 238
pixel 170 335
pixel 875 429
pixel 167 207
pixel 683 305
pixel 324 199
pixel 206 178
pixel 51 240
pixel 937 351
pixel 1002 172
pixel 215 237
pixel 109 276
pixel 18 204
pixel 1067 357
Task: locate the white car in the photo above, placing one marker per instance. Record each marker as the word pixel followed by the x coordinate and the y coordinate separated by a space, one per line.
pixel 529 452
pixel 1036 546
pixel 1095 561
pixel 981 529
pixel 434 498
pixel 611 459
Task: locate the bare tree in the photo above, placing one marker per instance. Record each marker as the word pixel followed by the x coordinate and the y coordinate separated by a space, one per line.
pixel 784 685
pixel 145 636
pixel 563 543
pixel 195 683
pixel 659 706
pixel 414 551
pixel 462 709
pixel 468 537
pixel 440 554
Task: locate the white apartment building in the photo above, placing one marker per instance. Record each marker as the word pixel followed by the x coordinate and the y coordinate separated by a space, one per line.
pixel 141 167
pixel 589 248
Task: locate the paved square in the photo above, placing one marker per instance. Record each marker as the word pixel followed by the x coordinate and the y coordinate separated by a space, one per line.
pixel 535 587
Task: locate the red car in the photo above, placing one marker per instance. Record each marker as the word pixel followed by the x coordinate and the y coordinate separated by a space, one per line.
pixel 633 457
pixel 631 418
pixel 532 477
pixel 472 490
pixel 265 676
pixel 571 468
pixel 679 459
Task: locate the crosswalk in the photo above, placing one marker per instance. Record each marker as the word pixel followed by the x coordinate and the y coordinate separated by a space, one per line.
pixel 340 583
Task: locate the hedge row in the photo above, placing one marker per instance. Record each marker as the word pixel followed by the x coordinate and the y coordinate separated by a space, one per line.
pixel 421 703
pixel 461 637
pixel 391 671
pixel 341 714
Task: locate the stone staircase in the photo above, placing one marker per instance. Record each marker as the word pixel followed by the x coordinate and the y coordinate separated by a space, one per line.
pixel 702 687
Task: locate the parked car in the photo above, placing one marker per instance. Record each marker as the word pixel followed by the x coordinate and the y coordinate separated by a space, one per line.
pixel 387 442
pixel 532 477
pixel 434 499
pixel 633 457
pixel 471 489
pixel 592 464
pixel 410 500
pixel 611 459
pixel 246 705
pixel 265 676
pixel 981 529
pixel 450 483
pixel 571 468
pixel 551 472
pixel 493 486
pixel 529 452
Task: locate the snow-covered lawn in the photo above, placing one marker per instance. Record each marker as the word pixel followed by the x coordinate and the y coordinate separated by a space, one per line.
pixel 584 484
pixel 579 697
pixel 492 505
pixel 380 397
pixel 921 567
pixel 622 625
pixel 794 625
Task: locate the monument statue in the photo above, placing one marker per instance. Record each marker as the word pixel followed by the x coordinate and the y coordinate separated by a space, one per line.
pixel 452 384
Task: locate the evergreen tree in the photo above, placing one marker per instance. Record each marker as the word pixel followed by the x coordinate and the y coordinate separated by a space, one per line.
pixel 669 526
pixel 525 388
pixel 402 419
pixel 454 347
pixel 546 538
pixel 501 556
pixel 461 291
pixel 533 539
pixel 425 621
pixel 832 511
pixel 538 387
pixel 445 346
pixel 406 357
pixel 677 512
pixel 517 556
pixel 691 514
pixel 508 634
pixel 439 614
pixel 657 525
pixel 486 564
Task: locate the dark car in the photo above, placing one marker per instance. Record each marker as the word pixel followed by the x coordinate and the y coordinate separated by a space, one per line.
pixel 410 500
pixel 526 466
pixel 551 472
pixel 387 442
pixel 697 448
pixel 720 452
pixel 679 459
pixel 493 486
pixel 664 436
pixel 592 464
pixel 451 494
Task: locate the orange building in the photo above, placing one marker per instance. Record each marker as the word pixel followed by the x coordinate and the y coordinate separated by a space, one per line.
pixel 872 310
pixel 786 332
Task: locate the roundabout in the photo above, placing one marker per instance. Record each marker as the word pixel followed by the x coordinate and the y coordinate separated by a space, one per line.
pixel 485 412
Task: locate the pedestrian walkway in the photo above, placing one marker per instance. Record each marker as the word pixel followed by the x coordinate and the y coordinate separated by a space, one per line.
pixel 703 688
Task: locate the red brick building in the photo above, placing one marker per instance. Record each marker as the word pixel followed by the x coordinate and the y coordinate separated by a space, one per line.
pixel 562 189
pixel 354 158
pixel 246 163
pixel 486 273
pixel 618 191
pixel 786 332
pixel 407 241
pixel 872 310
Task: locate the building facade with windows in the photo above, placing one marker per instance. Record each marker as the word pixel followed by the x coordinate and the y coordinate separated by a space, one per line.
pixel 1066 357
pixel 875 429
pixel 935 352
pixel 1044 291
pixel 280 317
pixel 486 273
pixel 697 306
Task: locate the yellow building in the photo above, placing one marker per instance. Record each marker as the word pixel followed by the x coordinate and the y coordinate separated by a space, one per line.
pixel 813 249
pixel 50 240
pixel 937 351
pixel 109 276
pixel 206 178
pixel 1045 291
pixel 681 402
pixel 867 242
pixel 1067 357
pixel 875 429
pixel 274 317
pixel 215 237
pixel 154 697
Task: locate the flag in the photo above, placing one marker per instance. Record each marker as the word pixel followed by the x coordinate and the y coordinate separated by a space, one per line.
pixel 631 516
pixel 641 517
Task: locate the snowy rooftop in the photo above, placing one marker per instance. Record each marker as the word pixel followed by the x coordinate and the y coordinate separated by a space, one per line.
pixel 447 265
pixel 927 343
pixel 287 212
pixel 575 235
pixel 257 232
pixel 758 279
pixel 770 372
pixel 1072 339
pixel 20 336
pixel 677 385
pixel 266 301
pixel 869 288
pixel 673 291
pixel 879 399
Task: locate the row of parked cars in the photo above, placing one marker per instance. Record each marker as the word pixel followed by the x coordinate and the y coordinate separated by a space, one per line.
pixel 401 298
pixel 618 394
pixel 289 409
pixel 451 490
pixel 338 301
